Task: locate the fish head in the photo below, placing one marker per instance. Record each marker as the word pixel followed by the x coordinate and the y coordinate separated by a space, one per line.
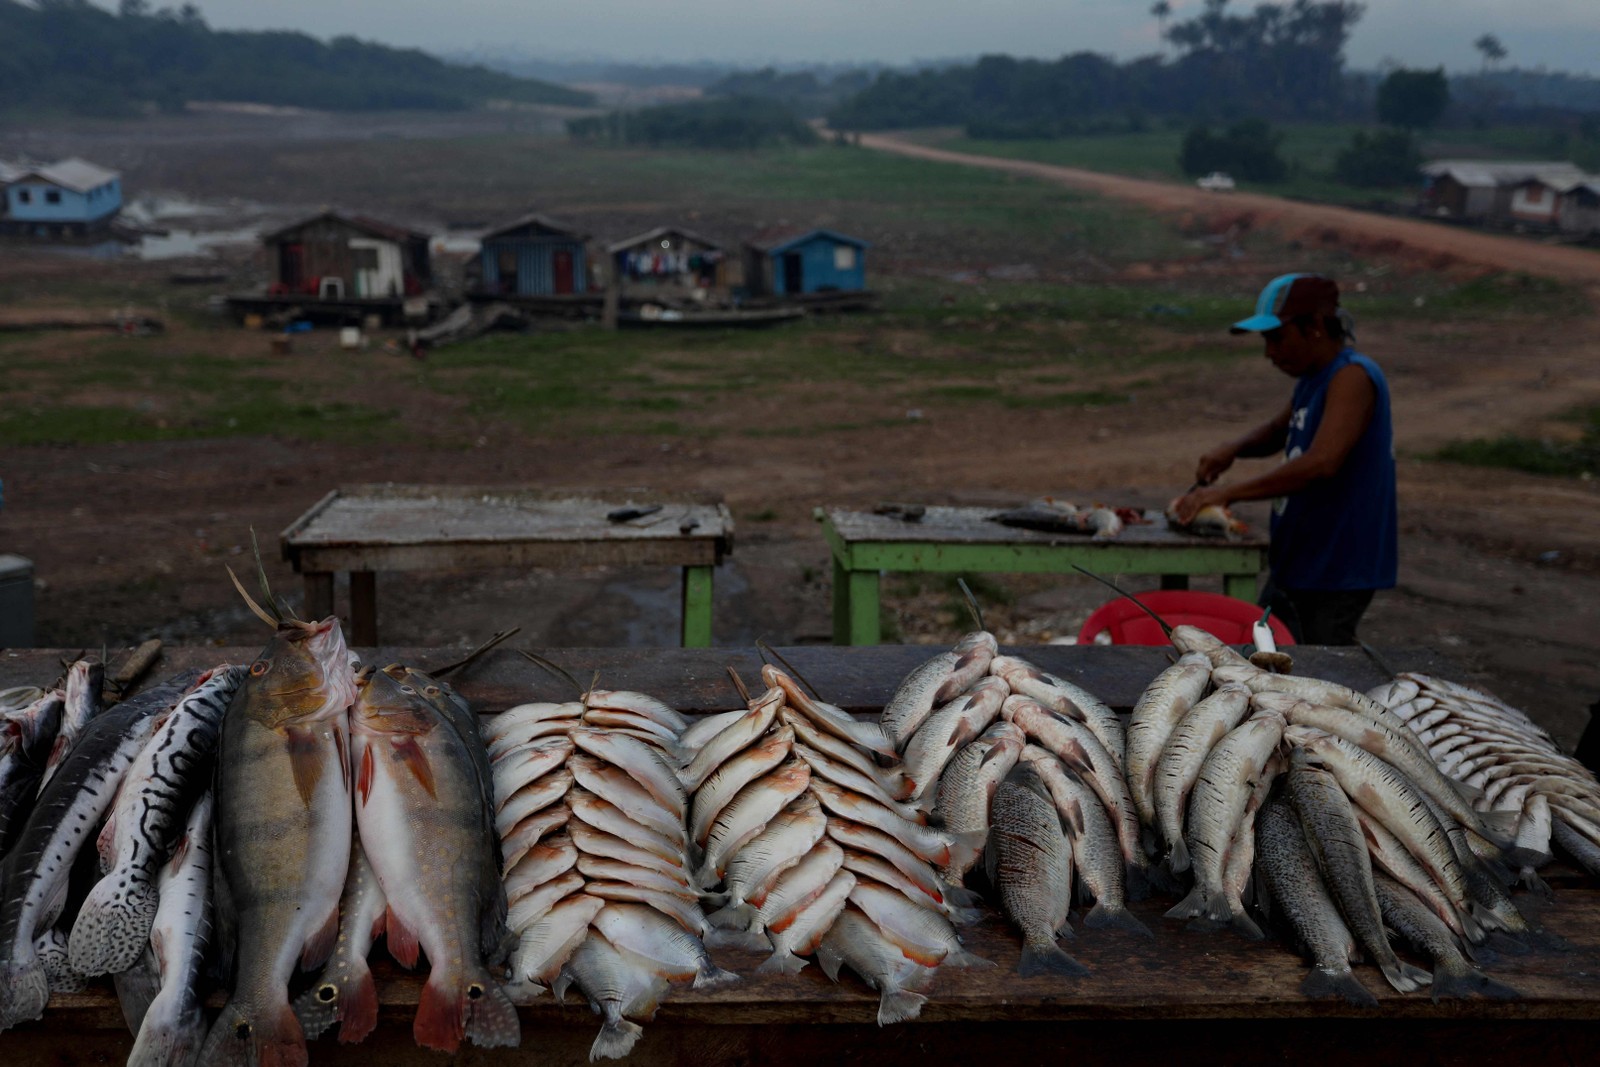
pixel 304 670
pixel 389 701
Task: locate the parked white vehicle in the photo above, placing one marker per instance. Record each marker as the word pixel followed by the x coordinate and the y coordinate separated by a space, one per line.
pixel 1216 182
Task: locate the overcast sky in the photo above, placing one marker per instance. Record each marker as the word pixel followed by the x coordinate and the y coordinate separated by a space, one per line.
pixel 1559 34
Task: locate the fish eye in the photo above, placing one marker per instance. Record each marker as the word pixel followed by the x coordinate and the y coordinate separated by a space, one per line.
pixel 408 690
pixel 327 993
pixel 242 1031
pixel 258 668
pixel 474 991
pixel 433 690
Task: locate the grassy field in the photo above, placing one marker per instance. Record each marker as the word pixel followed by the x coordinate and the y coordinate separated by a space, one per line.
pixel 946 337
pixel 1310 150
pixel 1575 456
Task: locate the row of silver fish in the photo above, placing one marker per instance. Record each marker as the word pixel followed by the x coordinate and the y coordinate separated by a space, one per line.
pixel 1508 766
pixel 1336 808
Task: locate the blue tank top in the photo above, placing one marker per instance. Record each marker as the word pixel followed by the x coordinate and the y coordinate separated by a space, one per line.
pixel 1340 532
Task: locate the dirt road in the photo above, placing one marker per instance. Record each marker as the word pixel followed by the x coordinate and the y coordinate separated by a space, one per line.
pixel 1294 219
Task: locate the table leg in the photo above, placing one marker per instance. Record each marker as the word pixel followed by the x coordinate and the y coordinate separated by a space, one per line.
pixel 363 608
pixel 841 603
pixel 1174 581
pixel 697 607
pixel 319 594
pixel 864 611
pixel 1240 586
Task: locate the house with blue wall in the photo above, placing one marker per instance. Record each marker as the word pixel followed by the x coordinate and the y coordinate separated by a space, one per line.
pixel 67 199
pixel 533 256
pixel 802 262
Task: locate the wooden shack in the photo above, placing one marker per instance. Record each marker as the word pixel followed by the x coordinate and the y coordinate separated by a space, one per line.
pixel 667 261
pixel 1478 190
pixel 1578 212
pixel 336 257
pixel 804 262
pixel 535 256
pixel 1534 202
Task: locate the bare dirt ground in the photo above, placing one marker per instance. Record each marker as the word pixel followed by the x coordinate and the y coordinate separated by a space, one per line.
pixel 1500 570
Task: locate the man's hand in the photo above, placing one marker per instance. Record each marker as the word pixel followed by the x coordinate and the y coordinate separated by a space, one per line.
pixel 1213 463
pixel 1187 506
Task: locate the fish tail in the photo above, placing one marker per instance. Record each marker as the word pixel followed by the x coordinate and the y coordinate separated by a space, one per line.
pixel 960 957
pixel 165 1041
pixel 1321 984
pixel 899 1005
pixel 1402 976
pixel 1178 856
pixel 714 977
pixel 959 896
pixel 1454 979
pixel 113 926
pixel 1190 907
pixel 1047 958
pixel 733 917
pixel 617 1038
pixel 1500 828
pixel 491 1017
pixel 962 916
pixel 749 940
pixel 1101 917
pixel 359 1015
pixel 236 1040
pixel 441 1020
pixel 24 991
pixel 965 847
pixel 1534 884
pixel 1245 926
pixel 781 962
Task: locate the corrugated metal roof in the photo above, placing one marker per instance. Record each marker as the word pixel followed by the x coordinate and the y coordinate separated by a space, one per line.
pixel 1487 174
pixel 650 236
pixel 78 175
pixel 779 240
pixel 373 227
pixel 543 222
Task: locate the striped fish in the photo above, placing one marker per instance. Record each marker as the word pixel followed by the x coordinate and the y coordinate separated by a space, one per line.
pixel 145 825
pixel 34 875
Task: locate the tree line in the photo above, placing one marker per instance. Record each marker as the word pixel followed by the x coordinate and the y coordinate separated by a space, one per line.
pixel 1279 61
pixel 71 56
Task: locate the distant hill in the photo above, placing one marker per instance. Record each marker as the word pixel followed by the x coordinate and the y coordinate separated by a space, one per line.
pixel 74 57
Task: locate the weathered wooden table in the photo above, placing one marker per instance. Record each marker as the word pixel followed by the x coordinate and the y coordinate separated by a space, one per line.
pixel 369 528
pixel 1178 997
pixel 948 539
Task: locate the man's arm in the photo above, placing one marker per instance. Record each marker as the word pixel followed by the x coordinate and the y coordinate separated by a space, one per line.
pixel 1346 413
pixel 1264 440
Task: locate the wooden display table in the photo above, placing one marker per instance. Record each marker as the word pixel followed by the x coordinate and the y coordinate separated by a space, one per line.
pixel 1179 997
pixel 963 540
pixel 369 528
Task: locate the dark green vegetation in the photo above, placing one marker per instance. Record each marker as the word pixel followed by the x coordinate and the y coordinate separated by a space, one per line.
pixel 1384 159
pixel 802 91
pixel 1280 61
pixel 1570 457
pixel 1248 149
pixel 1413 99
pixel 71 56
pixel 736 122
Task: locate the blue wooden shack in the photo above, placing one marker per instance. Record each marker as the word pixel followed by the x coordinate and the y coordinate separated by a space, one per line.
pixel 533 256
pixel 66 199
pixel 799 262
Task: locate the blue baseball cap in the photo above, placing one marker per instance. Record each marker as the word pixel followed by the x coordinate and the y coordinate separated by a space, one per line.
pixel 1289 296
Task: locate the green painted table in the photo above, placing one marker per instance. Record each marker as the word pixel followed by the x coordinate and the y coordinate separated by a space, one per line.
pixel 369 528
pixel 945 539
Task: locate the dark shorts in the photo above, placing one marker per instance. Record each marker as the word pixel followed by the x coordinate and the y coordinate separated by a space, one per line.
pixel 1318 616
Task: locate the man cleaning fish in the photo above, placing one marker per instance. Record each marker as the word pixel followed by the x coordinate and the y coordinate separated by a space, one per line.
pixel 1334 525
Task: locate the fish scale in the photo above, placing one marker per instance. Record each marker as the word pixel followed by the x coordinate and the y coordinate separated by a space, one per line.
pixel 145 823
pixel 1030 862
pixel 34 874
pixel 174 1024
